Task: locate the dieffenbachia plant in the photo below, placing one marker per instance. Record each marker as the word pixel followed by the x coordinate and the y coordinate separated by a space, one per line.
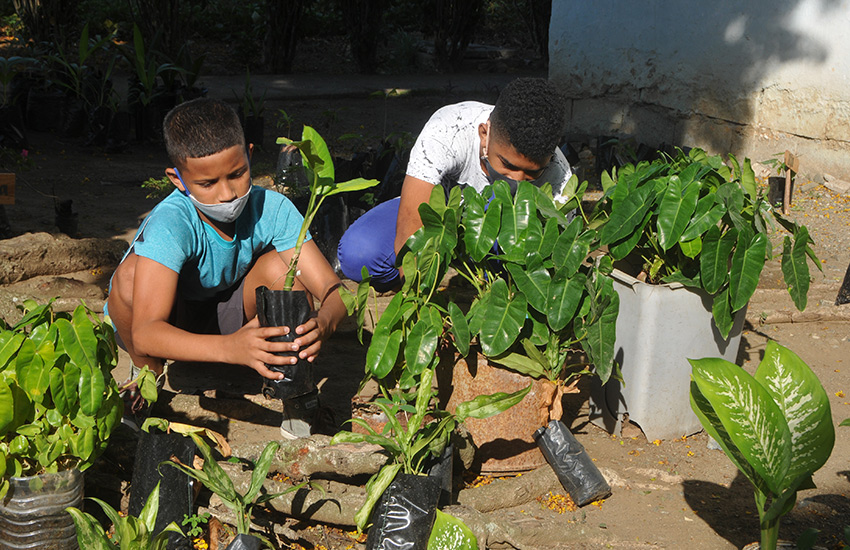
pixel 319 168
pixel 776 426
pixel 693 220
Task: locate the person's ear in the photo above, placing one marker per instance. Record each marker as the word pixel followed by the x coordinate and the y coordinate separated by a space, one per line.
pixel 250 151
pixel 483 131
pixel 171 173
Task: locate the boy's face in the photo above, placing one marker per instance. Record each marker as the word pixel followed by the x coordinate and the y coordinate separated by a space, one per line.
pixel 505 159
pixel 217 178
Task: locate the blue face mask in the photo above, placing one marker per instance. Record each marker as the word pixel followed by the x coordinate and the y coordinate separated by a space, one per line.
pixel 225 212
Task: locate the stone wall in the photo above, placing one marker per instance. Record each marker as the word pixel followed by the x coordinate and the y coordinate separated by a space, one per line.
pixel 753 78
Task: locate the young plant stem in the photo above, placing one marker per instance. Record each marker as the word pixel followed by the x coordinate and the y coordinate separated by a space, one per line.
pixel 312 208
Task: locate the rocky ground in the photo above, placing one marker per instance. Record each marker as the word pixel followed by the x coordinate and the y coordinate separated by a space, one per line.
pixel 666 494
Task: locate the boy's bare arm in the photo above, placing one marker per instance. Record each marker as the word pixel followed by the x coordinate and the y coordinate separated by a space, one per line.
pixel 319 279
pixel 414 192
pixel 154 295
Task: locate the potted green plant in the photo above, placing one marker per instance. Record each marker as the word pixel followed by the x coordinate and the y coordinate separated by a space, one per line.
pixel 530 303
pixel 58 406
pixel 688 236
pixel 215 478
pixel 775 426
pixel 402 485
pixel 129 532
pixel 287 307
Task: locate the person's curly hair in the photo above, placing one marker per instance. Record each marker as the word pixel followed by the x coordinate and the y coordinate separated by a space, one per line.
pixel 200 128
pixel 530 115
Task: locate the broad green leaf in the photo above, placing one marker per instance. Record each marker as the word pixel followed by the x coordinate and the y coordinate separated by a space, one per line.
pixel 625 219
pixel 261 470
pixel 545 244
pixel 805 405
pixel 534 284
pixel 674 213
pixel 78 338
pixel 10 342
pixel 722 312
pixel 383 352
pixel 485 406
pixel 91 387
pixel 514 222
pixel 692 248
pixel 795 269
pixel 502 319
pixel 319 157
pixel 572 247
pixel 450 533
pixel 747 263
pixel 90 534
pixel 375 487
pixel 480 227
pixel 601 330
pixel 754 422
pixel 25 356
pixel 707 416
pixel 714 260
pixel 421 344
pixel 521 364
pixel 34 379
pixel 622 248
pixel 563 297
pixel 357 184
pixel 460 328
pixel 706 215
pixel 7 409
pixel 748 179
pixel 547 208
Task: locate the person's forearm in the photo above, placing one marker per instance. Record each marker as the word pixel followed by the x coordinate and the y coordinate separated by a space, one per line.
pixel 162 340
pixel 332 311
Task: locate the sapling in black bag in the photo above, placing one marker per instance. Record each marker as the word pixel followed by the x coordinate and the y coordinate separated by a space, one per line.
pixel 573 466
pixel 405 513
pixel 277 308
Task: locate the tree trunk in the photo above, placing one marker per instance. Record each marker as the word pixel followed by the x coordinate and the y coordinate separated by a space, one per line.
pixel 455 25
pixel 364 19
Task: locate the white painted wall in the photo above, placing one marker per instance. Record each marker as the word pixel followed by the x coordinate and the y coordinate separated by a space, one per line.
pixel 752 77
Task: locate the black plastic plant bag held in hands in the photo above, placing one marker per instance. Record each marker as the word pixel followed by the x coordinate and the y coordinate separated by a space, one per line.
pixel 573 466
pixel 405 513
pixel 278 308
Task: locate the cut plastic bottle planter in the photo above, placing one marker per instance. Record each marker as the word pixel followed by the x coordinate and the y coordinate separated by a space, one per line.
pixel 659 328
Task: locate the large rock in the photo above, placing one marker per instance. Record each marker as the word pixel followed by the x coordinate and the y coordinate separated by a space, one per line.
pixel 36 254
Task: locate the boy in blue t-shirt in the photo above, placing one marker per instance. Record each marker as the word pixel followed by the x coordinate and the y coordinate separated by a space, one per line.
pixel 201 253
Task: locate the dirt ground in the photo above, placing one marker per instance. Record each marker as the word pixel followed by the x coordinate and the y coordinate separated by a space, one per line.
pixel 666 494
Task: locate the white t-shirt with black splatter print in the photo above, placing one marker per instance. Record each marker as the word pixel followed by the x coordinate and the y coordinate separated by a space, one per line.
pixel 447 150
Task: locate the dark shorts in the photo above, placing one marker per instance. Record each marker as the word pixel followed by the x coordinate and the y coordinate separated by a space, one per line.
pixel 222 314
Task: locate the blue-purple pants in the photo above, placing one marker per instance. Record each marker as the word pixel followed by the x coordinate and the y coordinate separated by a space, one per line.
pixel 370 242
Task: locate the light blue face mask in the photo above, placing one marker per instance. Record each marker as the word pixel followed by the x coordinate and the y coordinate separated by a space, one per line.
pixel 224 212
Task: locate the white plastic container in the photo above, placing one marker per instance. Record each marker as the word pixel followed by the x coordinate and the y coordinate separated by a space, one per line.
pixel 659 328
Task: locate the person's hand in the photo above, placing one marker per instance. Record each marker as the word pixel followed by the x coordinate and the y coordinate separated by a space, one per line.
pixel 250 346
pixel 309 338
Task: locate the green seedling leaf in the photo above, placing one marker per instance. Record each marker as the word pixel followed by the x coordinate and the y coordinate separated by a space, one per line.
pixel 563 296
pixel 421 345
pixel 534 284
pixel 714 261
pixel 521 364
pixel 460 329
pixel 375 487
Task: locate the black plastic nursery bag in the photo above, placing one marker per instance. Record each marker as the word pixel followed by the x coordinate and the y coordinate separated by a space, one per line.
pixel 244 542
pixel 573 466
pixel 175 489
pixel 404 515
pixel 277 308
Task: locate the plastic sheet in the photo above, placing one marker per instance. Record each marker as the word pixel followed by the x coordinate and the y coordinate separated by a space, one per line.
pixel 277 308
pixel 441 471
pixel 175 492
pixel 404 515
pixel 244 542
pixel 571 463
pixel 844 292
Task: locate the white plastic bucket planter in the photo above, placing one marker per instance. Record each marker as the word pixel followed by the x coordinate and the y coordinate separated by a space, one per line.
pixel 659 328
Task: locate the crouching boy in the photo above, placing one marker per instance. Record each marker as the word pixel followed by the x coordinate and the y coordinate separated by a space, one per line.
pixel 185 290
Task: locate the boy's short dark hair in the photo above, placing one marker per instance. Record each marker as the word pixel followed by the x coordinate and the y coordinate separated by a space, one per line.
pixel 200 128
pixel 530 115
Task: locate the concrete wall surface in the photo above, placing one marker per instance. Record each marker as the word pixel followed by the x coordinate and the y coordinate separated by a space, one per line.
pixel 752 77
